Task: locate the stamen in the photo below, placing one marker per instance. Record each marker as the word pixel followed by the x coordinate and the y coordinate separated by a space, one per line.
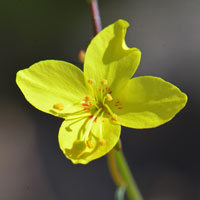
pixel 77 115
pixel 102 142
pixel 58 106
pixel 109 110
pixel 102 90
pixel 84 115
pixel 89 144
pixel 79 112
pixel 104 82
pixel 109 97
pixel 91 81
pixel 114 117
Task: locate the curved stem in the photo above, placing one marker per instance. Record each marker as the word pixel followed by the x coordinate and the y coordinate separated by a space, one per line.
pixel 95 16
pixel 132 190
pixel 114 170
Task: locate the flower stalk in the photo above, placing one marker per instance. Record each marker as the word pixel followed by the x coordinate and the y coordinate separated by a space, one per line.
pixel 117 164
pixel 132 189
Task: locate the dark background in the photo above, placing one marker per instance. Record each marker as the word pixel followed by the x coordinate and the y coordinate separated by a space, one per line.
pixel 164 160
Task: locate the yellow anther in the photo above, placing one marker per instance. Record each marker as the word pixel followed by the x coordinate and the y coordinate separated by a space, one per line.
pixel 91 81
pixel 114 117
pixel 104 82
pixel 58 106
pixel 89 144
pixel 102 142
pixel 109 97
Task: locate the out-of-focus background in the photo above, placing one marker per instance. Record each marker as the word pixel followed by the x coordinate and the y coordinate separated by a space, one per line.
pixel 165 161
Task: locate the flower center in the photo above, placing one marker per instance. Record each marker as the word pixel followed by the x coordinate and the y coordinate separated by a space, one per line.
pixel 96 109
pixel 100 99
pixel 97 106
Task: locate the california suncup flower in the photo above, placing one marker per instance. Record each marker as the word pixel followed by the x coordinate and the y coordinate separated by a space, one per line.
pixel 95 103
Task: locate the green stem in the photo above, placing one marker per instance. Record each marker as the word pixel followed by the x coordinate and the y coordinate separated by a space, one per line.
pixel 132 190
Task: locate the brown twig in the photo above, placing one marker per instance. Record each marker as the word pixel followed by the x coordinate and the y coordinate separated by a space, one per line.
pixel 96 19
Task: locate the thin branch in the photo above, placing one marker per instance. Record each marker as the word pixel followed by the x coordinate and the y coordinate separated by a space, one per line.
pixel 96 19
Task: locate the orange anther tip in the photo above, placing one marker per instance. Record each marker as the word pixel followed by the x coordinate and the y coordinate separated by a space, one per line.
pixel 102 142
pixel 58 106
pixel 89 144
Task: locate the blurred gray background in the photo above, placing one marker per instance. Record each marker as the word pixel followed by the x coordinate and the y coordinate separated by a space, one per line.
pixel 165 161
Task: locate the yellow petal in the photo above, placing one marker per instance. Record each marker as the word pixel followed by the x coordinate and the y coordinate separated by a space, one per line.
pixel 108 57
pixel 97 145
pixel 54 87
pixel 148 102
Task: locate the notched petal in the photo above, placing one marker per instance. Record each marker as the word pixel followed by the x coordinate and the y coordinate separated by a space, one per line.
pixel 108 57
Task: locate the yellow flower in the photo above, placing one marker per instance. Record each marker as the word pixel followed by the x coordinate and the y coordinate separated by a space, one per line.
pixel 95 103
